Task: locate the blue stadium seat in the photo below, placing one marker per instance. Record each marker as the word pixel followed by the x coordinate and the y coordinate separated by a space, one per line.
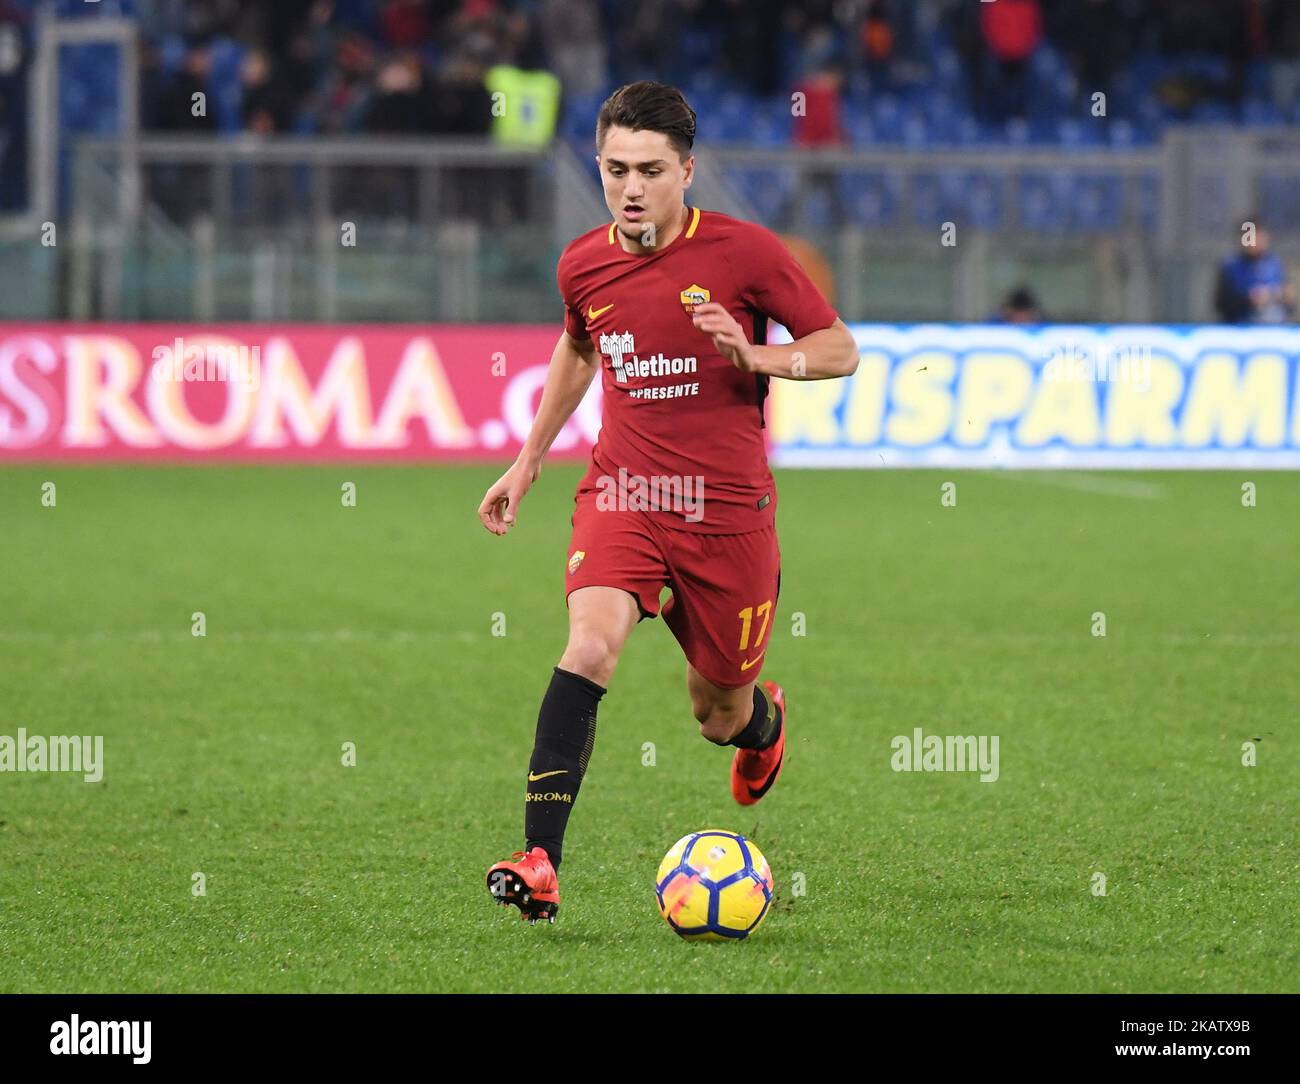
pixel 817 210
pixel 1121 133
pixel 858 87
pixel 932 202
pixel 1073 132
pixel 1147 67
pixel 916 129
pixel 969 132
pixel 1125 96
pixel 860 130
pixel 705 85
pixel 769 189
pixel 1045 130
pixel 856 105
pixel 699 51
pixel 945 131
pixel 948 72
pixel 887 117
pixel 1214 113
pixel 1052 83
pixel 1206 66
pixel 80 9
pixel 1043 199
pixel 1096 203
pixel 981 195
pixel 870 198
pixel 1149 191
pixel 1016 131
pixel 730 120
pixel 1260 113
pixel 1151 112
pixel 943 115
pixel 772 121
pixel 580 111
pixel 711 127
pixel 733 105
pixel 1277 201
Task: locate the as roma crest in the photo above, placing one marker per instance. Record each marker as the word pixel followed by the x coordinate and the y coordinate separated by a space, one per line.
pixel 693 295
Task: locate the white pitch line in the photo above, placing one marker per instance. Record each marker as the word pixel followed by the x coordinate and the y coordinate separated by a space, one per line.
pixel 320 636
pixel 1088 483
pixel 308 636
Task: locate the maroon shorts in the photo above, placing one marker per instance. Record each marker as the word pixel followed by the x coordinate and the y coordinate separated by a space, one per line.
pixel 724 586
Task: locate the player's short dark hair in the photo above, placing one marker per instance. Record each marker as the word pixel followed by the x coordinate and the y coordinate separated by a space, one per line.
pixel 649 106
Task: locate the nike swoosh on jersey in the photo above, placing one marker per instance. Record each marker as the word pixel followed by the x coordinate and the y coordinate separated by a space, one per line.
pixel 593 313
pixel 754 660
pixel 545 775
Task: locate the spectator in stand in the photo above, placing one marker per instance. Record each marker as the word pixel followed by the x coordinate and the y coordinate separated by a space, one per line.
pixel 519 40
pixel 341 101
pixel 1096 37
pixel 461 104
pixel 1020 307
pixel 819 124
pixel 301 65
pixel 404 24
pixel 177 109
pixel 266 106
pixel 645 41
pixel 575 41
pixel 183 190
pixel 189 18
pixel 1010 32
pixel 401 103
pixel 876 37
pixel 1283 37
pixel 1252 286
pixel 749 34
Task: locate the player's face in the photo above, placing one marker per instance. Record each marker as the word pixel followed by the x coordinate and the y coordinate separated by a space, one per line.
pixel 644 180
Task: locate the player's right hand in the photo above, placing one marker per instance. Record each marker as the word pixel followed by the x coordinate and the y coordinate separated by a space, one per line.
pixel 501 502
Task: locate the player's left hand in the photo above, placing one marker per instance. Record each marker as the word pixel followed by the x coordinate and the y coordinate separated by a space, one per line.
pixel 728 336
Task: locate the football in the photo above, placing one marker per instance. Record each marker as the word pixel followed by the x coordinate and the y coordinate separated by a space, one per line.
pixel 714 885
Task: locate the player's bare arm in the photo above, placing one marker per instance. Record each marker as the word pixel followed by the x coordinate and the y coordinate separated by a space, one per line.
pixel 820 355
pixel 574 363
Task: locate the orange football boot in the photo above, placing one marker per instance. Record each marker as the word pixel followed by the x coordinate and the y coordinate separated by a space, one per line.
pixel 530 884
pixel 753 771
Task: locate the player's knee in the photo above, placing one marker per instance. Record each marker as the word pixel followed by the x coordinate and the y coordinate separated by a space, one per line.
pixel 591 654
pixel 718 724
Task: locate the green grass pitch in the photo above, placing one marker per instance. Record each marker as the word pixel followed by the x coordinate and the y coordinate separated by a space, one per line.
pixel 1119 755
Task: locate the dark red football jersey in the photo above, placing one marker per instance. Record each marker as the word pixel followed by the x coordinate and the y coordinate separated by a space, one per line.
pixel 680 421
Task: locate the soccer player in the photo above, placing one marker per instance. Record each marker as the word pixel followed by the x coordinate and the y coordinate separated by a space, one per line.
pixel 671 304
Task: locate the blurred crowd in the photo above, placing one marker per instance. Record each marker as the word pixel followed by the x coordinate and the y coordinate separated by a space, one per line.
pixel 421 66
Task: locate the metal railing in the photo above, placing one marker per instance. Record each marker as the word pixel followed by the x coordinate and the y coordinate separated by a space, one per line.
pixel 331 229
pixel 374 229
